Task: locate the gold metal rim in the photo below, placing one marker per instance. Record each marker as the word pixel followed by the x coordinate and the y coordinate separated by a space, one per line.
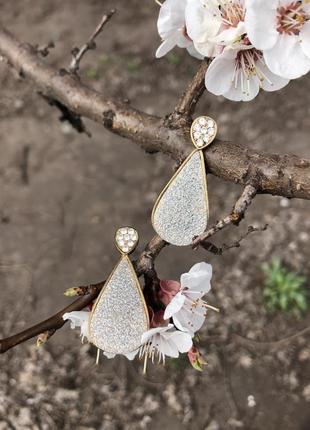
pixel 192 132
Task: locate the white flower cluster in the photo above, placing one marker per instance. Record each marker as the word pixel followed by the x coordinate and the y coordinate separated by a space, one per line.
pixel 183 305
pixel 255 44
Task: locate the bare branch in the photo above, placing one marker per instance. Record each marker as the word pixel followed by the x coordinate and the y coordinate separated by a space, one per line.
pixel 267 345
pixel 78 54
pixel 187 103
pixel 208 246
pixel 234 217
pixel 283 175
pixel 55 322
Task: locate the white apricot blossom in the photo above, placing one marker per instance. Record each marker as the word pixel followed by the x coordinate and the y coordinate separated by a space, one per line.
pixel 164 341
pixel 202 24
pixel 238 71
pixel 172 28
pixel 215 24
pixel 238 75
pixel 281 29
pixel 187 309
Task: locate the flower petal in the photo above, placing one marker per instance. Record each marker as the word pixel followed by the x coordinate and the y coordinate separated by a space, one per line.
pixel 78 319
pixel 220 74
pixel 190 318
pixel 202 22
pixel 286 58
pixel 131 355
pixel 261 22
pixel 166 46
pixel 182 341
pixel 245 89
pixel 270 81
pixel 148 334
pixel 193 52
pixel 197 280
pixel 230 35
pixel 305 39
pixel 174 306
pixel 171 17
pixel 166 346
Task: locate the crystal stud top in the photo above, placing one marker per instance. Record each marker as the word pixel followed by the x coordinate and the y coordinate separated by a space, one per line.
pixel 126 239
pixel 203 131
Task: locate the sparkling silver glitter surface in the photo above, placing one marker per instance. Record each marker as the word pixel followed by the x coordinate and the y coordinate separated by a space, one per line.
pixel 120 318
pixel 182 211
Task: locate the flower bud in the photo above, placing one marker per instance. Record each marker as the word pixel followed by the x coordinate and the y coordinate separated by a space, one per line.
pixel 196 359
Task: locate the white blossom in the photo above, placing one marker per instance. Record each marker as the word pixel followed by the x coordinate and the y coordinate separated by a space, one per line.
pixel 172 29
pixel 281 29
pixel 164 341
pixel 238 75
pixel 187 309
pixel 203 23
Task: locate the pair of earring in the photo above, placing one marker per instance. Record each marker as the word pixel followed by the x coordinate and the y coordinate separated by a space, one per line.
pixel 119 316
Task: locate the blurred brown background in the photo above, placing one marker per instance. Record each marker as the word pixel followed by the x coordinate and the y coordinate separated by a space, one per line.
pixel 62 197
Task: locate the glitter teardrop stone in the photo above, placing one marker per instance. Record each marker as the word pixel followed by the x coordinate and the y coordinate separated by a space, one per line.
pixel 120 316
pixel 181 211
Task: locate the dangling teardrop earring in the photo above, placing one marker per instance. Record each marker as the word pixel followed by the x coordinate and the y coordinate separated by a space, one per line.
pixel 182 209
pixel 119 316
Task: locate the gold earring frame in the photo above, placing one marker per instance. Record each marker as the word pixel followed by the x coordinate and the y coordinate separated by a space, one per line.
pixel 200 139
pixel 115 318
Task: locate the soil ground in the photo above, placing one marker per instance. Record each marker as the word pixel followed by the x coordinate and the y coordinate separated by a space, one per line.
pixel 63 195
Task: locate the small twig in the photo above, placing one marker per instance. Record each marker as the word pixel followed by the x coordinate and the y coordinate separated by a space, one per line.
pixel 262 345
pixel 78 54
pixel 234 217
pixel 44 50
pixel 187 103
pixel 208 246
pixel 55 322
pixel 24 164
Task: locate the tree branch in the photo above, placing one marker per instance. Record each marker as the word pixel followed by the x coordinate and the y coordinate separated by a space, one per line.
pixel 78 54
pixel 184 110
pixel 256 345
pixel 283 175
pixel 208 246
pixel 234 217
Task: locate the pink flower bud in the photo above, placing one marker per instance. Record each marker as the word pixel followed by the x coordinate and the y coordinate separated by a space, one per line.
pixel 196 359
pixel 168 289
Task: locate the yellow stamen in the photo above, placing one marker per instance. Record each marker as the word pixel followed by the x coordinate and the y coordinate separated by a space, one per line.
pixel 145 364
pixel 98 356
